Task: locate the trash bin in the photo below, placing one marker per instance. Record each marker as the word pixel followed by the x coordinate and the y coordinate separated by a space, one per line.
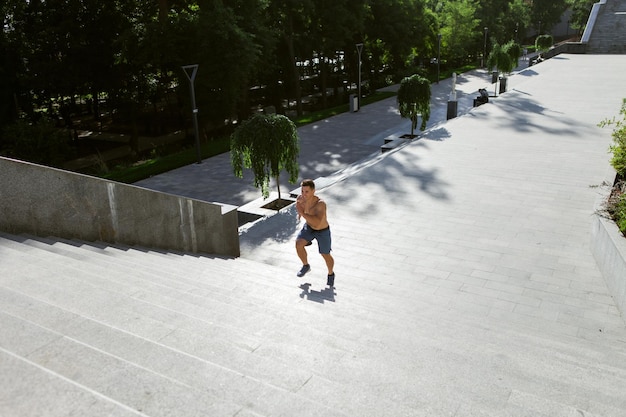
pixel 494 77
pixel 502 85
pixel 354 103
pixel 452 109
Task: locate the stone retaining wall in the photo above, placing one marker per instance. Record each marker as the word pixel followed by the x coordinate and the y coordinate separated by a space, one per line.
pixel 609 249
pixel 608 246
pixel 45 201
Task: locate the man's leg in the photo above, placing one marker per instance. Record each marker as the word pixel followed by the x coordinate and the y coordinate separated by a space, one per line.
pixel 300 244
pixel 301 251
pixel 330 262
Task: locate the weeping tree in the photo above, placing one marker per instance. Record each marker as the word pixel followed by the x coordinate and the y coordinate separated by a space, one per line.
pixel 267 144
pixel 504 58
pixel 414 100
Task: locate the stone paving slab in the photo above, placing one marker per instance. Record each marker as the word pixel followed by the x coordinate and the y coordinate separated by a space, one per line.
pixel 326 146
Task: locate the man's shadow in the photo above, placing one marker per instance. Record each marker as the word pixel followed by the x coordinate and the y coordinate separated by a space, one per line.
pixel 327 294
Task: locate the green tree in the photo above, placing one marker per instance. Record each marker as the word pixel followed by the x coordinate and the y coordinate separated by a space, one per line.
pixel 414 100
pixel 493 15
pixel 228 55
pixel 547 13
pixel 516 20
pixel 333 26
pixel 515 51
pixel 291 23
pixel 505 59
pixel 396 32
pixel 580 13
pixel 12 44
pixel 38 142
pixel 459 31
pixel 267 144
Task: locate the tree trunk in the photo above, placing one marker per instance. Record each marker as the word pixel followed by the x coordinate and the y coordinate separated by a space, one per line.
pixel 323 79
pixel 278 185
pixel 163 11
pixel 294 67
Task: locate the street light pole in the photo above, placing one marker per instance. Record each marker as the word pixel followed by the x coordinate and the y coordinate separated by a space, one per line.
pixel 482 61
pixel 438 54
pixel 192 78
pixel 359 48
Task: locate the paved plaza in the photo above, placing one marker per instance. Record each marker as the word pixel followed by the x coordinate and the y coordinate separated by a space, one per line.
pixel 326 146
pixel 484 219
pixel 465 285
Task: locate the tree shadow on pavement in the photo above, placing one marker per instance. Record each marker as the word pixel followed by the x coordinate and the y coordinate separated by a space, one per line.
pixel 438 134
pixel 279 228
pixel 521 110
pixel 401 179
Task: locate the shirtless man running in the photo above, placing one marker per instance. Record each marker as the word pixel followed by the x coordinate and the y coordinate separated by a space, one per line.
pixel 313 210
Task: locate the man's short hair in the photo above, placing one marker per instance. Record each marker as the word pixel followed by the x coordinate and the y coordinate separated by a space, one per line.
pixel 308 183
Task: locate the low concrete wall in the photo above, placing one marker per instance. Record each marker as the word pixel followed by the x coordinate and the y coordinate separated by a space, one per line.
pixel 565 48
pixel 45 201
pixel 608 247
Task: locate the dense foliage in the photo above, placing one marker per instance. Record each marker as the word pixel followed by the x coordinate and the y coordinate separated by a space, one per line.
pixel 118 63
pixel 38 142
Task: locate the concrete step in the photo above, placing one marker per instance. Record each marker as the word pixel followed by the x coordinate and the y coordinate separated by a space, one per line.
pixel 27 390
pixel 182 334
pixel 106 322
pixel 86 298
pixel 198 302
pixel 107 374
pixel 231 292
pixel 609 30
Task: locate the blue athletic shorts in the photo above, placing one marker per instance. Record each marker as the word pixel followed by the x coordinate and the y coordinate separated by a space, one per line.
pixel 322 236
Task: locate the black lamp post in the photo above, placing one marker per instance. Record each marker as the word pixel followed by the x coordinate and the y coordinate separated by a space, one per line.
pixel 438 54
pixel 359 49
pixel 482 61
pixel 190 72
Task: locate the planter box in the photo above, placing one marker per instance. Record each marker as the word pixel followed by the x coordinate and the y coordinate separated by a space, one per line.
pixel 259 209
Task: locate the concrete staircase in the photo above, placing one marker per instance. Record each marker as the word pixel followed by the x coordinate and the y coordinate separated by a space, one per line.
pixel 95 330
pixel 91 330
pixel 609 31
